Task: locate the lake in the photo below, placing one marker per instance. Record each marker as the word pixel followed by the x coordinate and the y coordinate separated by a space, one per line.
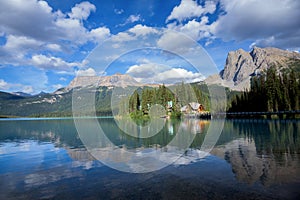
pixel 46 159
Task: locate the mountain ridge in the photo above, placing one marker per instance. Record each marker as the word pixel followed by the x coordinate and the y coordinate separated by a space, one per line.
pixel 119 80
pixel 240 65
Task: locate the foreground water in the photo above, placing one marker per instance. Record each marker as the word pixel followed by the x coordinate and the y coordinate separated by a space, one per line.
pixel 253 159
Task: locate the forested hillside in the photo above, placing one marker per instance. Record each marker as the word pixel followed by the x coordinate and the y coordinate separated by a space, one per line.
pixel 276 89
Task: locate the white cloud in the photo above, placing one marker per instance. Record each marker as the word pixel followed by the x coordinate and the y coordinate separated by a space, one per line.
pixel 34 27
pixel 196 30
pixel 21 43
pixel 72 30
pixel 189 8
pixel 142 30
pixel 155 73
pixel 269 22
pixel 3 85
pixel 132 34
pixel 14 87
pixel 133 18
pixel 176 75
pixel 45 62
pixel 145 70
pixel 196 23
pixel 122 37
pixel 54 47
pixel 82 10
pixel 99 34
pixel 175 42
pixel 86 72
pixel 18 18
pixel 118 11
pixel 49 26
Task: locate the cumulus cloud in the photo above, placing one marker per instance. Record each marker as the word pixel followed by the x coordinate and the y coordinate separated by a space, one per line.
pixel 175 42
pixel 142 30
pixel 37 38
pixel 189 8
pixel 54 47
pixel 190 19
pixel 122 37
pixel 197 30
pixel 133 18
pixel 20 43
pixel 98 34
pixel 155 73
pixel 53 30
pixel 19 19
pixel 45 62
pixel 82 10
pixel 13 87
pixel 86 72
pixel 3 85
pixel 16 48
pixel 132 34
pixel 145 70
pixel 268 22
pixel 176 75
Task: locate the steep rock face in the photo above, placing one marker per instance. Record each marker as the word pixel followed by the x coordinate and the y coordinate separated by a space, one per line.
pixel 241 65
pixel 265 57
pixel 117 80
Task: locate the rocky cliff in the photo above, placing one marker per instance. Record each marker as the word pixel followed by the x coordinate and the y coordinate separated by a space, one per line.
pixel 241 65
pixel 116 80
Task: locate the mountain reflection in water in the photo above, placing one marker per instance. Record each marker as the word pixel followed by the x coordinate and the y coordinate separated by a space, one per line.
pixel 251 157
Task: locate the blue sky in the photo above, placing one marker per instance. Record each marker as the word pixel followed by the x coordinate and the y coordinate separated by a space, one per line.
pixel 45 44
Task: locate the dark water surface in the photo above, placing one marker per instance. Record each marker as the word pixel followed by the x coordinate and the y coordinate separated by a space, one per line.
pixel 253 159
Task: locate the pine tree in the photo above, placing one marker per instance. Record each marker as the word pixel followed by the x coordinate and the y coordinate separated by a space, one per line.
pixel 270 91
pixel 134 102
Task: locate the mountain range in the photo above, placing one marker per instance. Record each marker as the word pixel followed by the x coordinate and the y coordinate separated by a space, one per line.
pixel 240 66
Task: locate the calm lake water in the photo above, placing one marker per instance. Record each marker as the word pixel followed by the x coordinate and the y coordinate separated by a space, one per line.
pixel 253 159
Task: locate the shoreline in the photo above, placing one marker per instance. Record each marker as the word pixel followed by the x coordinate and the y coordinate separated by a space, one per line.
pixel 112 117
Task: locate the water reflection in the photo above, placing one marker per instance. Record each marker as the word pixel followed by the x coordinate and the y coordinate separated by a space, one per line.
pixel 45 152
pixel 129 153
pixel 261 151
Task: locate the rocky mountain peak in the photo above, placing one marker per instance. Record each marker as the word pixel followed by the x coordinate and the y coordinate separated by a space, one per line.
pixel 238 64
pixel 241 65
pixel 116 80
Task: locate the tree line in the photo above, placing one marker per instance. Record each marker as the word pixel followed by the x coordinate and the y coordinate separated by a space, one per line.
pixel 170 98
pixel 272 90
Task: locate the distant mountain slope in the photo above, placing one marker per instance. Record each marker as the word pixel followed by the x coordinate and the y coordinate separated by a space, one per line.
pixel 50 105
pixel 116 80
pixel 9 96
pixel 59 103
pixel 22 94
pixel 241 65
